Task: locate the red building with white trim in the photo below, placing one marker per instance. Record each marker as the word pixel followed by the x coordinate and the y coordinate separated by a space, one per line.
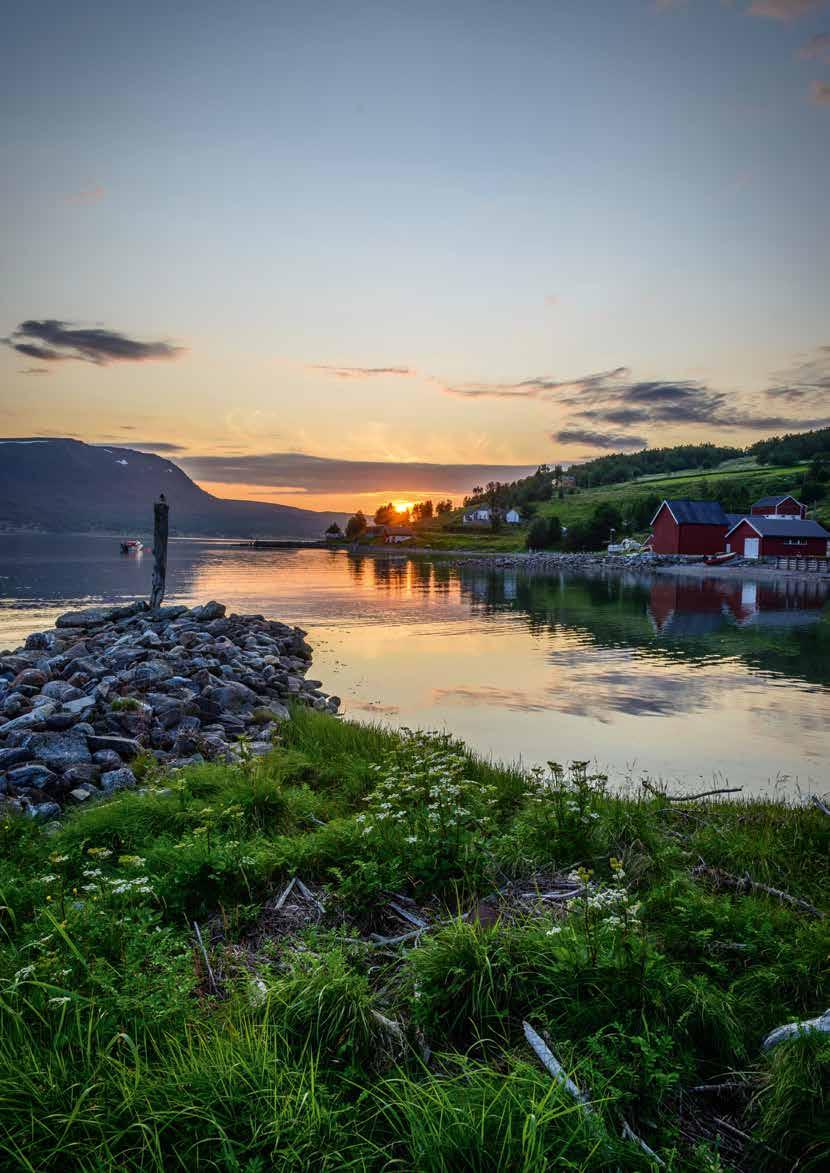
pixel 785 506
pixel 765 537
pixel 682 526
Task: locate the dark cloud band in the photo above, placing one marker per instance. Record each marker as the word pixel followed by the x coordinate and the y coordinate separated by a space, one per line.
pixel 50 340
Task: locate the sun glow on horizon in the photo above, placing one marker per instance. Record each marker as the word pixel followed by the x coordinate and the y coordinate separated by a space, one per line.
pixel 403 506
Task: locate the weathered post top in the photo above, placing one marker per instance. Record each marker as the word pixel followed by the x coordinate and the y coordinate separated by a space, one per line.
pixel 161 511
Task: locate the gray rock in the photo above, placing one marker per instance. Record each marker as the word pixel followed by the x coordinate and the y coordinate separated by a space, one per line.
pixel 38 640
pixel 97 616
pixel 29 720
pixel 125 747
pixel 59 722
pixel 114 780
pixel 107 759
pixel 61 691
pixel 14 704
pixel 80 794
pixel 82 774
pixel 33 774
pixel 211 610
pixel 14 756
pixel 60 750
pixel 79 705
pixel 152 672
pixel 42 811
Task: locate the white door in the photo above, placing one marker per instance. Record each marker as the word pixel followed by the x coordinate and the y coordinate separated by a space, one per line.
pixel 751 547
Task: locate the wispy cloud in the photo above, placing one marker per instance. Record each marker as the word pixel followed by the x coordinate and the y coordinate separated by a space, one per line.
pixel 821 92
pixel 91 196
pixel 784 9
pixel 533 388
pixel 816 49
pixel 363 372
pixel 620 441
pixel 143 445
pixel 50 340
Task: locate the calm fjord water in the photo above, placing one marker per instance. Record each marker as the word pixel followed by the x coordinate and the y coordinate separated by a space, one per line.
pixel 686 680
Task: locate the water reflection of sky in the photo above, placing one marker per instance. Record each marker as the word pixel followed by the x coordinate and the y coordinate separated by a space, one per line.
pixel 685 679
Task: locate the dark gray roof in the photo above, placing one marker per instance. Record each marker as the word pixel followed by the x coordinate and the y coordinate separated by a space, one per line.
pixel 775 500
pixel 687 512
pixel 785 527
pixel 734 518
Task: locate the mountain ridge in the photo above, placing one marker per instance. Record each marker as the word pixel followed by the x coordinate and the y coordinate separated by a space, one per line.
pixel 61 484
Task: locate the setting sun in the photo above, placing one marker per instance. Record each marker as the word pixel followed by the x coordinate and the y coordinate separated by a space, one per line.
pixel 403 506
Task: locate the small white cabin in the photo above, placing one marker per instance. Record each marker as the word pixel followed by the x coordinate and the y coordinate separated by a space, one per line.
pixel 513 517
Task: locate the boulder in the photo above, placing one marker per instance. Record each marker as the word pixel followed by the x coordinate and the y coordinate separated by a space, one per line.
pixel 97 616
pixel 211 610
pixel 82 774
pixel 114 780
pixel 125 747
pixel 33 774
pixel 30 678
pixel 15 756
pixel 61 691
pixel 60 750
pixel 107 759
pixel 29 720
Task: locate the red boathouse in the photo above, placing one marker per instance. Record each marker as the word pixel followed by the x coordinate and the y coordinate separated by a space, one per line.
pixel 765 537
pixel 784 506
pixel 682 526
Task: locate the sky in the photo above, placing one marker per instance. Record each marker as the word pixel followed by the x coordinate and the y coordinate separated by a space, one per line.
pixel 335 253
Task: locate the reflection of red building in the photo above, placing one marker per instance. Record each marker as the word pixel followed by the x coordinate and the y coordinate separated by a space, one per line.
pixel 696 607
pixel 681 526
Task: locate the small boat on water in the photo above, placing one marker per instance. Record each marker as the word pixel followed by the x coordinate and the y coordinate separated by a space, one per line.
pixel 132 546
pixel 718 559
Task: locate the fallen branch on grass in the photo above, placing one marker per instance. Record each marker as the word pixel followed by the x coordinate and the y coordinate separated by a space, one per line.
pixel 744 884
pixel 410 917
pixel 549 1061
pixel 551 1064
pixel 688 797
pixel 629 1134
pixel 213 983
pixel 791 1029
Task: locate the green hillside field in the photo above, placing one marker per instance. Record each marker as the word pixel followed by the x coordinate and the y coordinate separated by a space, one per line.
pixel 579 505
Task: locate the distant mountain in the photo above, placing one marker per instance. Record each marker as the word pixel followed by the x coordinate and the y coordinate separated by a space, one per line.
pixel 66 485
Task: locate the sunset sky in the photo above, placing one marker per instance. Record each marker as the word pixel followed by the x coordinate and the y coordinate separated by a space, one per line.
pixel 332 253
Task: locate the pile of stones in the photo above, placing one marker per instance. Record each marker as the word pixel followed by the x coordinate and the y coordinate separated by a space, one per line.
pixel 108 685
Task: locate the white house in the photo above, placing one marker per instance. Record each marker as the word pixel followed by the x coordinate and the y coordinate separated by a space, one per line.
pixel 512 517
pixel 480 516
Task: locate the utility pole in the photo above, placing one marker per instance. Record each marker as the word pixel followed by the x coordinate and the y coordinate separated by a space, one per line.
pixel 161 511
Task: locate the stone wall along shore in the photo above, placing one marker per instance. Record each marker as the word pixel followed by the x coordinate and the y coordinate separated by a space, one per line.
pixel 80 702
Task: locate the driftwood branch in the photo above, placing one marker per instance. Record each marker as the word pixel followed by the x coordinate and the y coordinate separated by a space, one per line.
pixel 211 974
pixel 791 1029
pixel 549 1061
pixel 745 884
pixel 629 1134
pixel 408 916
pixel 286 893
pixel 309 895
pixel 822 806
pixel 687 797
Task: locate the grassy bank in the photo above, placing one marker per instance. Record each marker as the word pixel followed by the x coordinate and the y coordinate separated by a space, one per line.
pixel 321 1026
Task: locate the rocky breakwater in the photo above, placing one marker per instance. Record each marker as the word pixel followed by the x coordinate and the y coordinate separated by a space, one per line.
pixel 108 685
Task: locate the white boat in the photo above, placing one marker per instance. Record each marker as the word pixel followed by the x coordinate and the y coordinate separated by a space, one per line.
pixel 132 546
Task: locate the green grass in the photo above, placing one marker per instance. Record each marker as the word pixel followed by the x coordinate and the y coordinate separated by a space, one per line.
pixel 319 1047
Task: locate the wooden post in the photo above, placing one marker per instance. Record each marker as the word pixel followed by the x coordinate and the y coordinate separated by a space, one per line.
pixel 160 514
